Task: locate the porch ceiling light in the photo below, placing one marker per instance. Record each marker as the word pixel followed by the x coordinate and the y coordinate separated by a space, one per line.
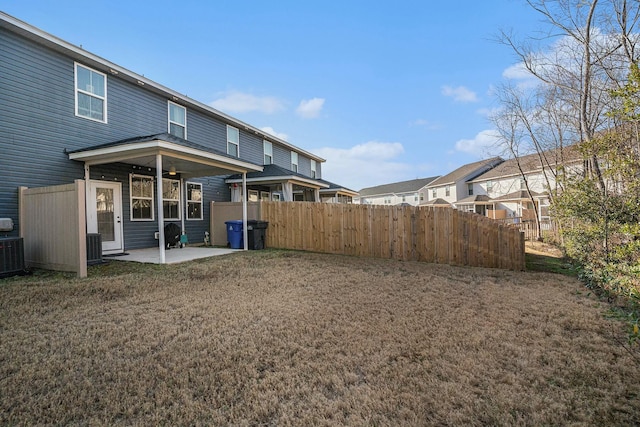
pixel 172 170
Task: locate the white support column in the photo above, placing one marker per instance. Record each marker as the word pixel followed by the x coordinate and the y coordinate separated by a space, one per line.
pixel 160 208
pixel 182 195
pixel 245 232
pixel 316 195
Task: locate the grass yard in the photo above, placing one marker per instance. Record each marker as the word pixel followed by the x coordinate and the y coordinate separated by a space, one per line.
pixel 291 338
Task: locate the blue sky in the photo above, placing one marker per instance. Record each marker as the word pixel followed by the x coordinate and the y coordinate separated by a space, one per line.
pixel 385 91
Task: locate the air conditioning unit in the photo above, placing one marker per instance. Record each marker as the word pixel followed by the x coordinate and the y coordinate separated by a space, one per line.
pixel 11 256
pixel 94 248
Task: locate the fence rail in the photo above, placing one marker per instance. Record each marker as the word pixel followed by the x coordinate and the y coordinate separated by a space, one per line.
pixel 429 234
pixel 530 229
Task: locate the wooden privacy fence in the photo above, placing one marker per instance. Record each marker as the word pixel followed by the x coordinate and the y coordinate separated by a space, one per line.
pixel 429 234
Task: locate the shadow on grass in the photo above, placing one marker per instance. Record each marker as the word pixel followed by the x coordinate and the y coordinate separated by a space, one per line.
pixel 549 264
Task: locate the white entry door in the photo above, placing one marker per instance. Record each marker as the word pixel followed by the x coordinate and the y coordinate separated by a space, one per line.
pixel 104 214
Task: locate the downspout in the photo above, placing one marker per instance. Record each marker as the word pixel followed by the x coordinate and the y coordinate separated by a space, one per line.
pixel 245 232
pixel 160 208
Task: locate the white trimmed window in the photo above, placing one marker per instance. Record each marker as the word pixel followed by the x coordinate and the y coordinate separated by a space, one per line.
pixel 141 193
pixel 91 94
pixel 489 186
pixel 177 120
pixel 268 152
pixel 447 190
pixel 313 169
pixel 264 195
pixel 171 199
pixel 275 197
pixel 523 184
pixel 294 161
pixel 253 195
pixel 233 141
pixel 434 193
pixel 194 200
pixel 470 189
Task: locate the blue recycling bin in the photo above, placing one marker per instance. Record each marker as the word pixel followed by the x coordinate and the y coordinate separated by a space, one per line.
pixel 234 234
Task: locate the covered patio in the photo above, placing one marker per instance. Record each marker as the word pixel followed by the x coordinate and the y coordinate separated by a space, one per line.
pixel 168 155
pixel 276 183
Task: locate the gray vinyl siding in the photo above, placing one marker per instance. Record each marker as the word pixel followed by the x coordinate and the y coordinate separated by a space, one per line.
pixel 281 156
pixel 304 165
pixel 206 132
pixel 38 126
pixel 251 148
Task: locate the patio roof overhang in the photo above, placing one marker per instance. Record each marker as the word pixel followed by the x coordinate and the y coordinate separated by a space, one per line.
pixel 164 152
pixel 187 159
pixel 339 192
pixel 273 180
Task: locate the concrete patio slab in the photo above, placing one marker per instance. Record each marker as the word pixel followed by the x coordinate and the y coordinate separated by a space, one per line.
pixel 172 256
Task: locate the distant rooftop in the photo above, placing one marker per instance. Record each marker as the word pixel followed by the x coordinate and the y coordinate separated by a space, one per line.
pixel 397 187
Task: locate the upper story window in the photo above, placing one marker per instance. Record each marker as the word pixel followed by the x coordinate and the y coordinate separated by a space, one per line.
pixel 447 190
pixel 91 94
pixel 141 190
pixel 268 152
pixel 177 120
pixel 294 161
pixel 470 189
pixel 194 200
pixel 489 186
pixel 171 199
pixel 523 184
pixel 233 141
pixel 313 169
pixel 434 193
pixel 422 197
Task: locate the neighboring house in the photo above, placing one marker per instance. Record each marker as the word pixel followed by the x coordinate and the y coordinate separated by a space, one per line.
pixel 148 154
pixel 519 187
pixel 455 186
pixel 410 192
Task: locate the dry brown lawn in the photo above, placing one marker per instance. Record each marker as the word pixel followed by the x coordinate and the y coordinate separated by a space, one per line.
pixel 288 338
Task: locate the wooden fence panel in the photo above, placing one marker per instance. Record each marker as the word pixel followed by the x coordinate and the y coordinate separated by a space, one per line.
pixel 440 235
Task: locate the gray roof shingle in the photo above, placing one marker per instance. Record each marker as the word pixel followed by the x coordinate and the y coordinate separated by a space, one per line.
pixel 465 171
pixel 397 187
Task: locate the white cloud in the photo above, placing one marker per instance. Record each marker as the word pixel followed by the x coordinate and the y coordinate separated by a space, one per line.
pixel 481 145
pixel 271 131
pixel 310 108
pixel 517 72
pixel 239 102
pixel 459 94
pixel 364 165
pixel 425 124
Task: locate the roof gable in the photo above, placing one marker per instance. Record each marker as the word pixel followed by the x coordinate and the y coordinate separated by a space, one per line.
pixel 397 187
pixel 466 172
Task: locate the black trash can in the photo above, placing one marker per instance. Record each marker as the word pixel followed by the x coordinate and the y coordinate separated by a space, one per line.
pixel 256 234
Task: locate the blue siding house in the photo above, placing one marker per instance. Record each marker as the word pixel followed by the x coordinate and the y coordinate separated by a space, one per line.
pixel 67 114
